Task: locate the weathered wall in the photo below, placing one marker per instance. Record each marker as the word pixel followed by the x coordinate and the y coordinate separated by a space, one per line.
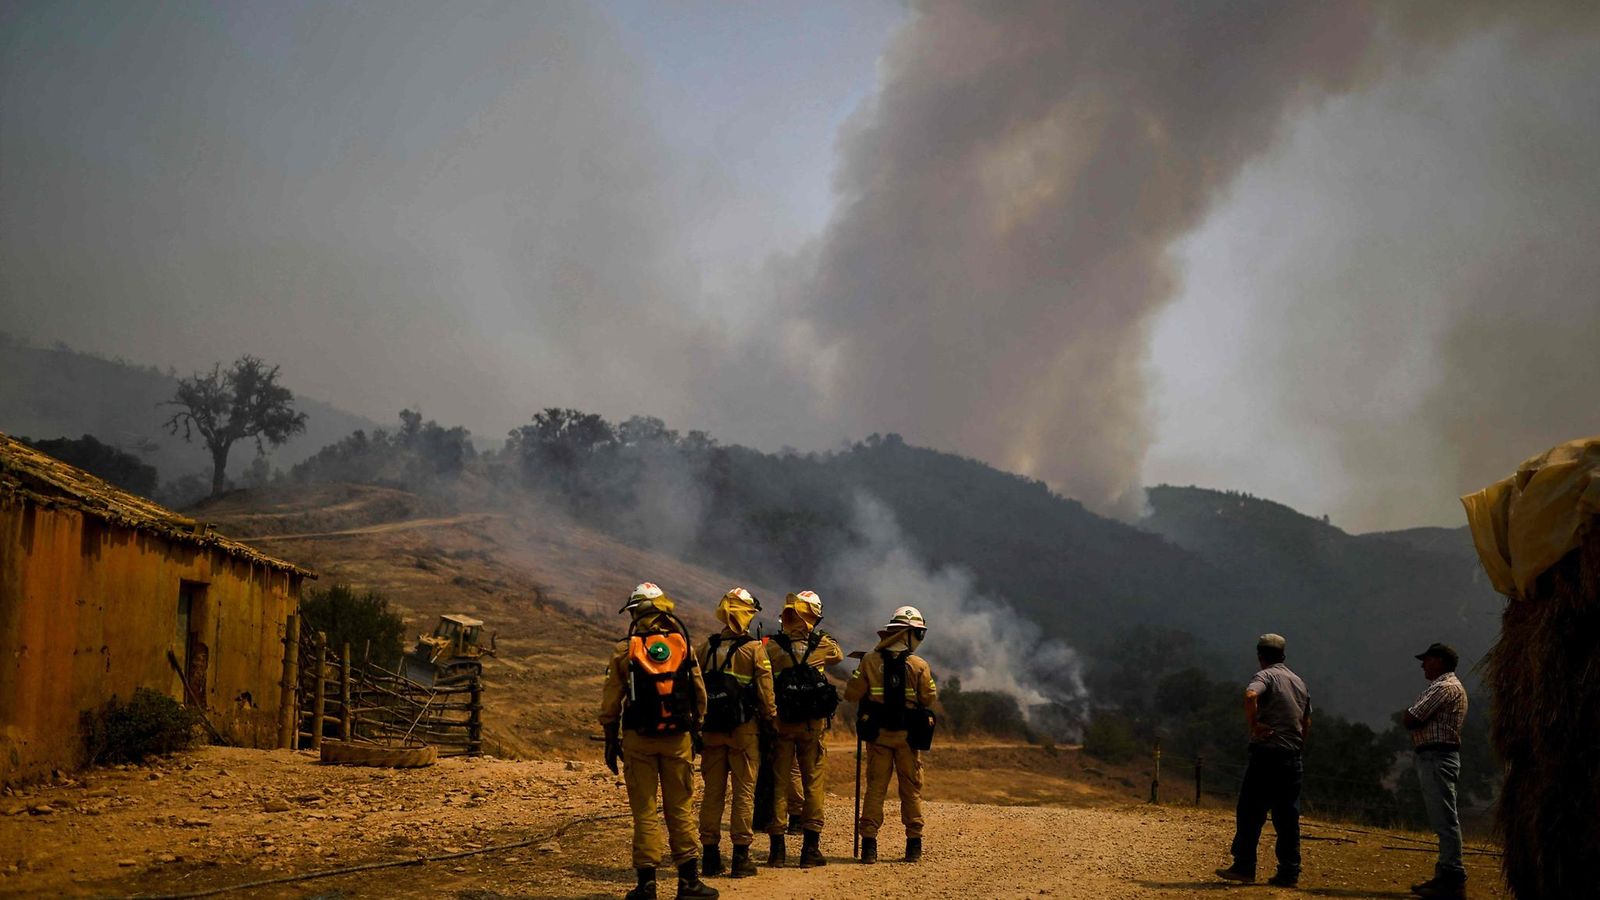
pixel 89 610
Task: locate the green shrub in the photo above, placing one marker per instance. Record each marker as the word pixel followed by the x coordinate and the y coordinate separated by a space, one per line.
pixel 150 724
pixel 982 712
pixel 1110 737
pixel 357 618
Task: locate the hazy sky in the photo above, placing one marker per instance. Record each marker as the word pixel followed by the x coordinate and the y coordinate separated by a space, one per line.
pixel 1339 255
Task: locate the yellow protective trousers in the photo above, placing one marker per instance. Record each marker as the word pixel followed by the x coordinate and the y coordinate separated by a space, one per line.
pixel 803 746
pixel 736 755
pixel 891 755
pixel 667 763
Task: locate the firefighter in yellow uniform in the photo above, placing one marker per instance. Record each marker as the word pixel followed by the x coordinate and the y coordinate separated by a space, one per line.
pixel 895 691
pixel 800 653
pixel 651 709
pixel 739 699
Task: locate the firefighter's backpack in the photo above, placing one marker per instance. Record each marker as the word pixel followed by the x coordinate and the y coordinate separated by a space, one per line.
pixel 728 703
pixel 892 713
pixel 660 686
pixel 803 692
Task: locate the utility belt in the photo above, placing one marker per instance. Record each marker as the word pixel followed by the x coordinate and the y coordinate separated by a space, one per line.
pixel 873 718
pixel 1438 747
pixel 1275 753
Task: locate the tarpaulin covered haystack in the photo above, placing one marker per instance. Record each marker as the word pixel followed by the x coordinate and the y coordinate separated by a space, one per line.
pixel 1538 536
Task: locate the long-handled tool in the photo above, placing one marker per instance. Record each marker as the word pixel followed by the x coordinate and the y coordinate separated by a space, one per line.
pixel 855 837
pixel 199 708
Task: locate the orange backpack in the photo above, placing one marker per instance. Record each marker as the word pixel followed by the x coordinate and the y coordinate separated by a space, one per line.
pixel 660 688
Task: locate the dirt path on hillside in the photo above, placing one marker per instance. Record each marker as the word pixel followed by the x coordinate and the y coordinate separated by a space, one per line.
pixel 225 817
pixel 383 528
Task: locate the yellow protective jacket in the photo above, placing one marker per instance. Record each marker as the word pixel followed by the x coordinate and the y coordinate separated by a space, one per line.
pixel 867 681
pixel 749 666
pixel 616 688
pixel 826 654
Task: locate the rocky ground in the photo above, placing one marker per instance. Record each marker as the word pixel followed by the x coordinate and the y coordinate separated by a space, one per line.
pixel 220 817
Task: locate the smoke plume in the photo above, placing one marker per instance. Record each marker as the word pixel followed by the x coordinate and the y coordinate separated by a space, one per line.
pixel 1009 203
pixel 978 638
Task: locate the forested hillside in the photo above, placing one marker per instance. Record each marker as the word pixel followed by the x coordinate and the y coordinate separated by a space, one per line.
pixel 1356 608
pixel 1221 567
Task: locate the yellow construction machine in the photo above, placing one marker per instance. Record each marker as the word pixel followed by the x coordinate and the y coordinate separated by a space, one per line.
pixel 454 651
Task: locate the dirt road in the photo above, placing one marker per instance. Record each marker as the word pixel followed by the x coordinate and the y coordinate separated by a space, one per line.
pixel 221 817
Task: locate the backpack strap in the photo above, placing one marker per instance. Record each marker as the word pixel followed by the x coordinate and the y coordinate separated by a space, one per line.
pixel 733 648
pixel 812 640
pixel 787 643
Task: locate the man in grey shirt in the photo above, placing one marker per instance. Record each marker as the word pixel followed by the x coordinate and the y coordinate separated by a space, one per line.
pixel 1277 709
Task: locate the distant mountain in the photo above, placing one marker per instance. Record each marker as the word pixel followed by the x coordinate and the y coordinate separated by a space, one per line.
pixel 1224 567
pixel 60 392
pixel 1355 608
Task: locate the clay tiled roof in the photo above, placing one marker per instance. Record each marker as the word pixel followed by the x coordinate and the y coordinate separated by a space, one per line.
pixel 36 477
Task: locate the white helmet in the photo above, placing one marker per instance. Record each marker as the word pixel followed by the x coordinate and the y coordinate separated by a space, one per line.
pixel 807 599
pixel 907 617
pixel 648 595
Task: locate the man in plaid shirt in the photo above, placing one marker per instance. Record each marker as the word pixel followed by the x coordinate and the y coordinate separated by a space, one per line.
pixel 1435 725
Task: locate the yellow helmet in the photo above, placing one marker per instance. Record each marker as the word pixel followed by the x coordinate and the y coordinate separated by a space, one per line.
pixel 737 608
pixel 805 606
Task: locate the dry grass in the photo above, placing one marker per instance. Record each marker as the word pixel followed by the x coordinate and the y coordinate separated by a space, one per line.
pixel 550 588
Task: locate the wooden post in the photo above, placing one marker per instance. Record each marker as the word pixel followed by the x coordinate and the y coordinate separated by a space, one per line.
pixel 475 719
pixel 1199 771
pixel 319 706
pixel 288 703
pixel 344 693
pixel 1155 780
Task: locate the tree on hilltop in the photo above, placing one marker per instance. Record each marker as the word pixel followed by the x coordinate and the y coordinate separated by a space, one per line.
pixel 226 406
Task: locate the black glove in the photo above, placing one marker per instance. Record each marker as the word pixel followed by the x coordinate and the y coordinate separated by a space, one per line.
pixel 613 747
pixel 697 744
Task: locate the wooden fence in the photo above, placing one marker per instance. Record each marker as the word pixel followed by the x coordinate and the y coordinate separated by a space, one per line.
pixel 364 702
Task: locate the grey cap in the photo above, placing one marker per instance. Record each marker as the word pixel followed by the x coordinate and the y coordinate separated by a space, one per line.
pixel 1271 641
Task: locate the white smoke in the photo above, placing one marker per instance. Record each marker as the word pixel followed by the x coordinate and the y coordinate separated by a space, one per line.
pixel 978 638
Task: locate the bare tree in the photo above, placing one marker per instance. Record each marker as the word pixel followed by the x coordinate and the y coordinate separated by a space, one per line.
pixel 244 401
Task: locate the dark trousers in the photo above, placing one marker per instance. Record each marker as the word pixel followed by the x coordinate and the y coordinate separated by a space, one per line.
pixel 1271 784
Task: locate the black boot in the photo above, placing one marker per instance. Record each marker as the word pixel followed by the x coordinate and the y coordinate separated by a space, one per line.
pixel 711 861
pixel 646 888
pixel 690 887
pixel 777 855
pixel 797 825
pixel 810 852
pixel 869 851
pixel 743 865
pixel 913 849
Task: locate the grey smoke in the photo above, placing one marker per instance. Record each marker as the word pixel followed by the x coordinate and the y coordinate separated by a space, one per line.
pixel 979 638
pixel 1010 201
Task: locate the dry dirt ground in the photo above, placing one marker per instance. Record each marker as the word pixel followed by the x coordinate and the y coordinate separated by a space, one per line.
pixel 219 817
